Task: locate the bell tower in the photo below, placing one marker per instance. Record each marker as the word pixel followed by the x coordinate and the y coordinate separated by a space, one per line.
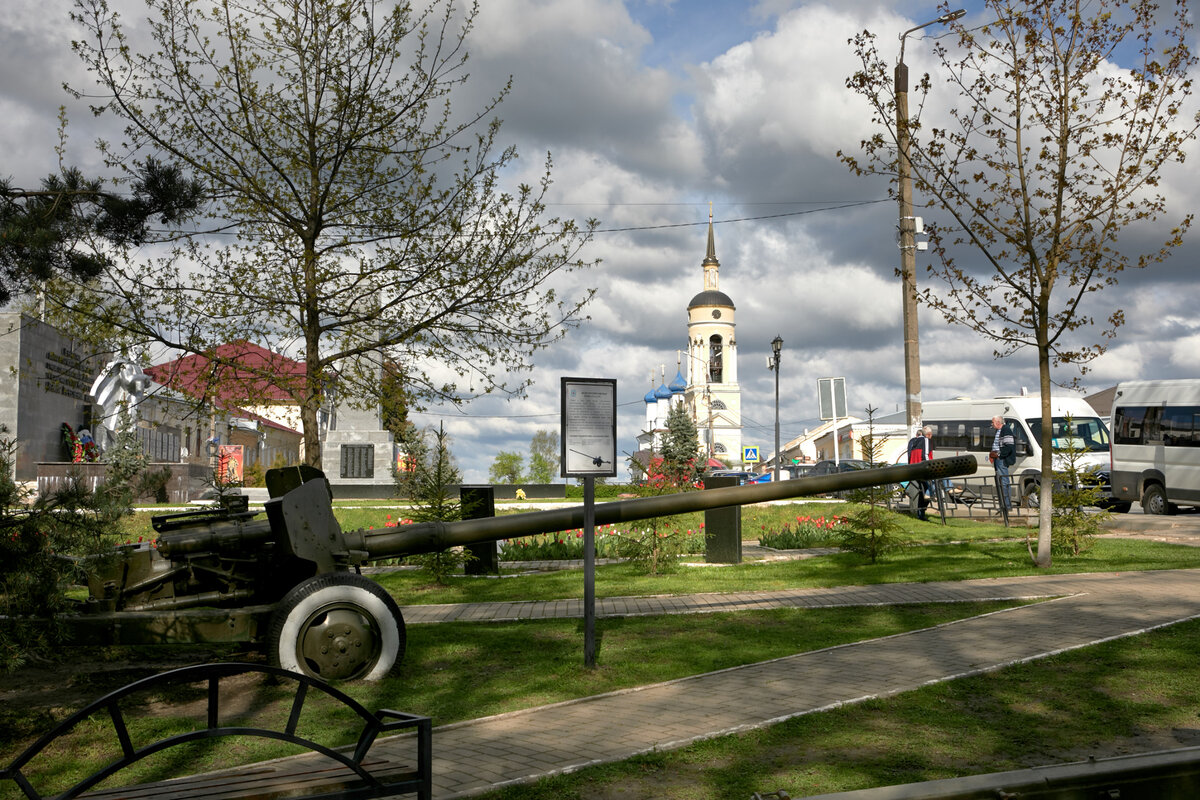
pixel 712 393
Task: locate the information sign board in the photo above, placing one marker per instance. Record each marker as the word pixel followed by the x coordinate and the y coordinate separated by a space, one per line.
pixel 589 428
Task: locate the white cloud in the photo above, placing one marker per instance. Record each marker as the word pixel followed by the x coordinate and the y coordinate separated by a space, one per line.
pixel 650 113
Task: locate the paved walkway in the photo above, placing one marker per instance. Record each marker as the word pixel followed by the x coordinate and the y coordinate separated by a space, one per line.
pixel 473 756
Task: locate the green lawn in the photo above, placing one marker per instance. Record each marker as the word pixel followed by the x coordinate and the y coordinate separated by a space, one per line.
pixel 1046 711
pixel 460 671
pixel 756 520
pixel 973 559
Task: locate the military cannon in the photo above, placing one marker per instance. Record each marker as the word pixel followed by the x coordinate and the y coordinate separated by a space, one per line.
pixel 291 580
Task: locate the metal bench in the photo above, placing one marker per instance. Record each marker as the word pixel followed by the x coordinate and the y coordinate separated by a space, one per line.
pixel 327 772
pixel 979 493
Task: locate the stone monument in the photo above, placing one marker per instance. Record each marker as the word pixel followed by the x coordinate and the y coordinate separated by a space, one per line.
pixel 358 455
pixel 44 384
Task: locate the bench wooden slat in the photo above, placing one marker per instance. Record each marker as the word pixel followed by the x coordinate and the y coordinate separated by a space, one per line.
pixel 289 778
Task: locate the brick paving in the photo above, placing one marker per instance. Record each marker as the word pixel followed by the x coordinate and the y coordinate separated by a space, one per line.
pixel 477 755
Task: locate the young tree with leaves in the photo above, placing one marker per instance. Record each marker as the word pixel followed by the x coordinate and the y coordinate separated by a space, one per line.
pixel 1068 114
pixel 361 209
pixel 506 467
pixel 544 457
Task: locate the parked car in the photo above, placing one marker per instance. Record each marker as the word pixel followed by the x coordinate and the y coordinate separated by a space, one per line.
pixel 731 473
pixel 832 468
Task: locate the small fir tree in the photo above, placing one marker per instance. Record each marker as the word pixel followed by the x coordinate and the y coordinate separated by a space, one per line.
pixel 681 450
pixel 414 450
pixel 1077 490
pixel 871 528
pixel 429 485
pixel 125 468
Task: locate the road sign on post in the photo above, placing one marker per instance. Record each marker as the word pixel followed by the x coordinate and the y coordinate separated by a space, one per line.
pixel 831 402
pixel 750 454
pixel 831 397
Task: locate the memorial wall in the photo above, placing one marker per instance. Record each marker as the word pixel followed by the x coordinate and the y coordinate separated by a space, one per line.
pixel 46 380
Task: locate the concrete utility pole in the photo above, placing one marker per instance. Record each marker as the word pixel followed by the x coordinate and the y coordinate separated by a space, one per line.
pixel 908 245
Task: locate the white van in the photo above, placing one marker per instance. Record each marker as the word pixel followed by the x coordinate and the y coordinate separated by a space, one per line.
pixel 1156 444
pixel 963 426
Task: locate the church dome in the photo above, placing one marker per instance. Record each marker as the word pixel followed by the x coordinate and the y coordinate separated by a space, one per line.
pixel 711 297
pixel 678 385
pixel 650 398
pixel 662 392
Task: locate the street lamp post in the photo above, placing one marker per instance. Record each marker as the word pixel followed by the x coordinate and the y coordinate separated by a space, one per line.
pixel 776 348
pixel 908 245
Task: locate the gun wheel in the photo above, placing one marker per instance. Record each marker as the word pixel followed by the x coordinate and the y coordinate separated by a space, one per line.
pixel 338 626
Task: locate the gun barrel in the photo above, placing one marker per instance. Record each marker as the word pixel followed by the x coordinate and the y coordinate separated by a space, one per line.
pixel 231 535
pixel 428 537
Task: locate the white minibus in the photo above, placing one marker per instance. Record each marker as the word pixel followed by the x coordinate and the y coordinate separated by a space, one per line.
pixel 1156 444
pixel 963 426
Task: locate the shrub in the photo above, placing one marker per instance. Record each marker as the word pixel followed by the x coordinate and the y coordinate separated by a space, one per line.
pixel 154 484
pixel 871 528
pixel 611 542
pixel 807 532
pixel 39 543
pixel 1073 527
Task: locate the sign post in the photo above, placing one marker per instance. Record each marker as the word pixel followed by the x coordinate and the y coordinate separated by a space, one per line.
pixel 589 449
pixel 831 402
pixel 750 454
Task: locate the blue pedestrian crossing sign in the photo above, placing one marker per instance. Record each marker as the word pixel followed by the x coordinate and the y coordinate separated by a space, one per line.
pixel 750 454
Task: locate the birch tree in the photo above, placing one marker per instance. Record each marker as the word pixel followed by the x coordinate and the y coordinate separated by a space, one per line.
pixel 1065 117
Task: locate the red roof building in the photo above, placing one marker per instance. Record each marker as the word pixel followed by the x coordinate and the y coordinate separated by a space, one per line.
pixel 235 374
pixel 245 379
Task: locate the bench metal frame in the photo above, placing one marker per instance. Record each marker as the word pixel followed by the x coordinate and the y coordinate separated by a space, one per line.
pixel 381 722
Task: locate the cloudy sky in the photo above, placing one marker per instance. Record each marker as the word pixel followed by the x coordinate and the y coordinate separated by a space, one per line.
pixel 653 109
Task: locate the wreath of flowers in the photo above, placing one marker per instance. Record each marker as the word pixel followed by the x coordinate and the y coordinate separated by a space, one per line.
pixel 80 450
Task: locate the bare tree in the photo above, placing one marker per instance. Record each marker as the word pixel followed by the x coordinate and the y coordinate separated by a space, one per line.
pixel 358 214
pixel 1068 112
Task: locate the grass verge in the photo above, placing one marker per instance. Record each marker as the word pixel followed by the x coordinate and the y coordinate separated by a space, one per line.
pixel 1132 695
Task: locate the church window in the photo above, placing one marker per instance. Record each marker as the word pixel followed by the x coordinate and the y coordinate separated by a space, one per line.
pixel 718 405
pixel 719 448
pixel 715 359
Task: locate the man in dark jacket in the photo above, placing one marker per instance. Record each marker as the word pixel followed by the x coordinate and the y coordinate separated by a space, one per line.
pixel 1003 456
pixel 920 448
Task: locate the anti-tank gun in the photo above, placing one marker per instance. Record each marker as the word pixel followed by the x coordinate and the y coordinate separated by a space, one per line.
pixel 291 580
